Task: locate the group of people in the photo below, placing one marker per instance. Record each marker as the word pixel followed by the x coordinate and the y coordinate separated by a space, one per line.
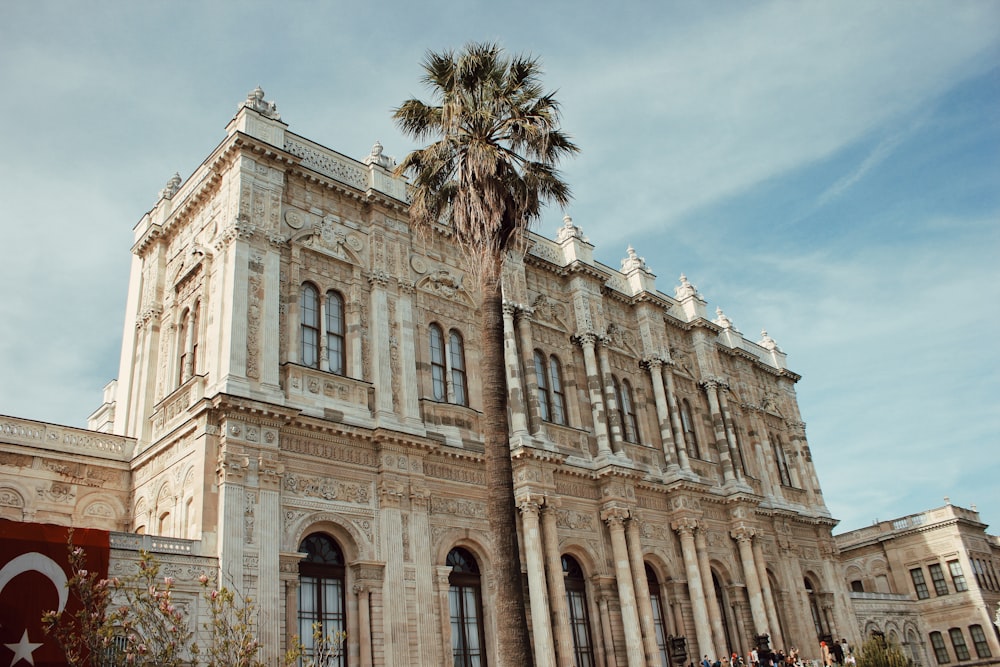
pixel 834 654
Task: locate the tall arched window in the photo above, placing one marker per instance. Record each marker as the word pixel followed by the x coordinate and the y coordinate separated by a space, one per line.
pixel 626 410
pixel 321 592
pixel 579 616
pixel 187 346
pixel 456 355
pixel 465 602
pixel 690 438
pixel 551 396
pixel 335 332
pixel 447 363
pixel 814 608
pixel 780 461
pixel 309 311
pixel 659 617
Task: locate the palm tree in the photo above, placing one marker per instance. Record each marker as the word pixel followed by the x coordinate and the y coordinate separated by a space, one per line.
pixel 489 169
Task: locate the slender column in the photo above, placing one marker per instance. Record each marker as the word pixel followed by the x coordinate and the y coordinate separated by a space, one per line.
pixel 515 386
pixel 611 401
pixel 721 444
pixel 675 417
pixel 269 478
pixel 188 369
pixel 364 625
pixel 655 367
pixel 534 415
pixel 685 529
pixel 394 588
pixel 743 537
pixel 270 303
pixel 777 640
pixel 609 640
pixel 714 610
pixel 557 586
pixel 408 355
pixel 587 342
pixel 291 611
pixel 615 519
pixel 379 327
pixel 810 482
pixel 734 448
pixel 541 629
pixel 293 323
pixel 420 539
pixel 444 604
pixel 642 598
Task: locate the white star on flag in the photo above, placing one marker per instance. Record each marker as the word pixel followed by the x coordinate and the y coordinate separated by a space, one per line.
pixel 23 650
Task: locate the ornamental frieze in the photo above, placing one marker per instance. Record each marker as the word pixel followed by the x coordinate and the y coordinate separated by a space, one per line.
pixel 573 520
pixel 657 502
pixel 577 489
pixel 458 507
pixel 328 489
pixel 325 450
pixel 455 473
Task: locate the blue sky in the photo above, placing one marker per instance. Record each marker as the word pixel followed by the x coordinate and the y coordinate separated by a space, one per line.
pixel 827 171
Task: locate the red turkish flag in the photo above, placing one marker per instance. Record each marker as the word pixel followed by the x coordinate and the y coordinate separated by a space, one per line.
pixel 34 568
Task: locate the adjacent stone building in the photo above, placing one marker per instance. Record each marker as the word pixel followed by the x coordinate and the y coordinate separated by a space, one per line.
pixel 929 581
pixel 297 409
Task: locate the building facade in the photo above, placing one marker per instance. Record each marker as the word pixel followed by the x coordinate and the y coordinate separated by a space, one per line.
pixel 297 405
pixel 929 581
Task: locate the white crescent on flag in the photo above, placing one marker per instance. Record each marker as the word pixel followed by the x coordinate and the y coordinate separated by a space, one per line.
pixel 39 563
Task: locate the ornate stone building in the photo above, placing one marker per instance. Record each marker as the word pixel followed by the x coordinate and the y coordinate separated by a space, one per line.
pixel 929 581
pixel 297 404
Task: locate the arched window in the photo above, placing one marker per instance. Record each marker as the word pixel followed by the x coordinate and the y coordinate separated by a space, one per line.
pixel 579 616
pixel 187 346
pixel 465 602
pixel 558 397
pixel 814 608
pixel 979 641
pixel 690 438
pixel 438 384
pixel 336 352
pixel 456 355
pixel 626 410
pixel 940 650
pixel 659 618
pixel 321 593
pixel 958 643
pixel 721 599
pixel 551 396
pixel 780 461
pixel 448 363
pixel 309 308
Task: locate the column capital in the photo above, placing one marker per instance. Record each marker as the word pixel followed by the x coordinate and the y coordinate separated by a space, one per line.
pixel 743 533
pixel 390 494
pixel 269 473
pixel 714 382
pixel 586 339
pixel 530 505
pixel 615 516
pixel 232 468
pixel 378 278
pixel 685 526
pixel 407 286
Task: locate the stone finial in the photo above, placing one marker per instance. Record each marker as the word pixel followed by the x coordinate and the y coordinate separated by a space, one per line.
pixel 722 320
pixel 255 101
pixel 767 342
pixel 172 186
pixel 570 231
pixel 379 158
pixel 633 262
pixel 685 289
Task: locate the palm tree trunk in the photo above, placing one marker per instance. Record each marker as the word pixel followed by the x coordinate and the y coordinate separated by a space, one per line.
pixel 513 643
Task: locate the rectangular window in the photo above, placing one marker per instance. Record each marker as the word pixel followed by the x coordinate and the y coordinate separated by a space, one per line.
pixel 940 650
pixel 958 642
pixel 937 576
pixel 957 576
pixel 979 641
pixel 919 584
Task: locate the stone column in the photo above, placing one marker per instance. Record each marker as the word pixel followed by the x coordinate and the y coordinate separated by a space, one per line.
pixel 232 503
pixel 541 630
pixel 714 610
pixel 378 329
pixel 810 482
pixel 743 537
pixel 734 447
pixel 442 573
pixel 188 344
pixel 524 341
pixel 642 597
pixel 610 399
pixel 587 341
pixel 608 641
pixel 675 417
pixel 269 526
pixel 515 386
pixel 721 444
pixel 615 519
pixel 270 305
pixel 685 530
pixel 557 586
pixel 777 638
pixel 409 387
pixel 393 588
pixel 655 367
pixel 420 540
pixel 291 611
pixel 364 625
